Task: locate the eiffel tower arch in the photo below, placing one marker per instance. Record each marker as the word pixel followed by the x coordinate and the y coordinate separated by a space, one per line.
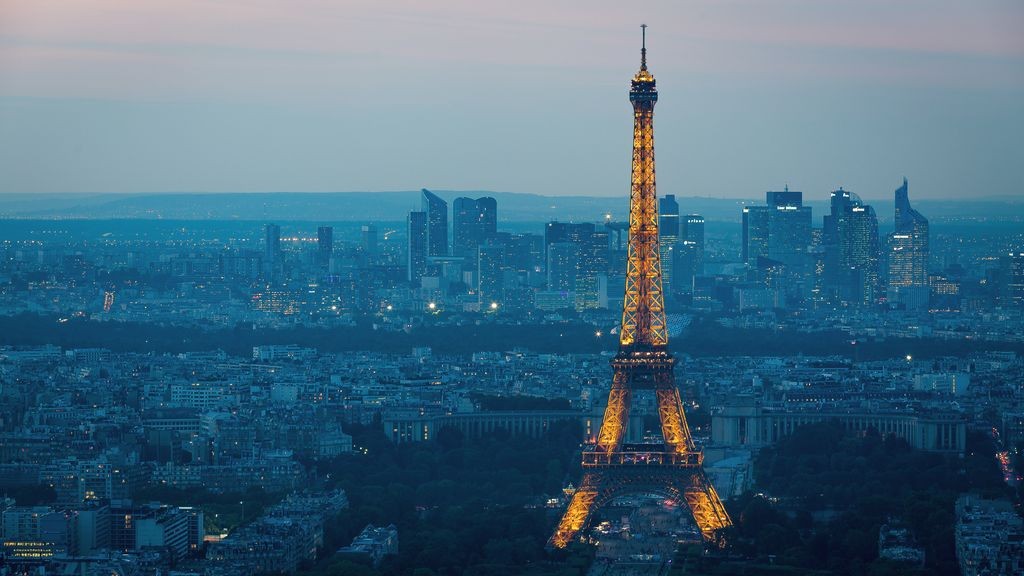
pixel 611 467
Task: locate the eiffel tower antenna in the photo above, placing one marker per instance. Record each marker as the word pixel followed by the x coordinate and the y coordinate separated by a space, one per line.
pixel 643 47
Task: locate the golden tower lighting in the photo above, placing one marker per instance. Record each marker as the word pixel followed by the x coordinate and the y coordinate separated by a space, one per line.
pixel 612 468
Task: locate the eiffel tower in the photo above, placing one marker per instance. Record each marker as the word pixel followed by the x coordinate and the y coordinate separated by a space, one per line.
pixel 612 468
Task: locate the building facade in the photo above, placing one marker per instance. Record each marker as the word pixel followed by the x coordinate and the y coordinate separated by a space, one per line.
pixel 436 211
pixel 474 222
pixel 908 248
pixel 755 426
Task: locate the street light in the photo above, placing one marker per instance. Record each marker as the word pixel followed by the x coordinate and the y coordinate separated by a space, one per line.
pixel 494 305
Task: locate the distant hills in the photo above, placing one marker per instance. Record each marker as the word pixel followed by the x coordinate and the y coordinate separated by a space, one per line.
pixel 392 206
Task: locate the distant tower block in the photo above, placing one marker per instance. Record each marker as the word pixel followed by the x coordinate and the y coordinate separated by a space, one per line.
pixel 611 468
pixel 108 301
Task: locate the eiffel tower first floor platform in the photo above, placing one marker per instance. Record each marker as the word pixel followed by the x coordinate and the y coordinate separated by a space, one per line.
pixel 635 470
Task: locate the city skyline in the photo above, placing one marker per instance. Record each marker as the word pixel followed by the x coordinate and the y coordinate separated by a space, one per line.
pixel 257 98
pixel 442 382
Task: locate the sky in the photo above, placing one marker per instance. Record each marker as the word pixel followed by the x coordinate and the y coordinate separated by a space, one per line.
pixel 518 96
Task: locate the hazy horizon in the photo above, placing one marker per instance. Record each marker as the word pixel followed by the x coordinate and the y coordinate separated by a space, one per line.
pixel 109 96
pixel 758 197
pixel 755 197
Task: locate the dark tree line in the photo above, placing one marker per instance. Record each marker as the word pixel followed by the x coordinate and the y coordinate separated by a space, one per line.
pixel 707 338
pixel 704 338
pixel 36 330
pixel 855 484
pixel 461 506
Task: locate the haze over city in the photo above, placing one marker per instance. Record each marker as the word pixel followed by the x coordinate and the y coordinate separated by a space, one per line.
pixel 118 96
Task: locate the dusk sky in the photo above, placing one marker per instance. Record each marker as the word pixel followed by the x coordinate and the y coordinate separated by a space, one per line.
pixel 516 96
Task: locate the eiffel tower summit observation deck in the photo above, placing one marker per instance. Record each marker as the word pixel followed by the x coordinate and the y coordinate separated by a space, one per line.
pixel 612 468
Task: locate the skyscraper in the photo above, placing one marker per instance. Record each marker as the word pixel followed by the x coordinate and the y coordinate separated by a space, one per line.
pixel 595 252
pixel 850 241
pixel 272 254
pixel 780 231
pixel 324 244
pixel 491 272
pixel 755 233
pixel 474 222
pixel 436 211
pixel 368 239
pixel 567 232
pixel 688 256
pixel 908 247
pixel 563 244
pixel 693 232
pixel 789 229
pixel 576 255
pixel 785 268
pixel 668 229
pixel 417 250
pixel 863 253
pixel 563 260
pixel 1011 272
pixel 668 217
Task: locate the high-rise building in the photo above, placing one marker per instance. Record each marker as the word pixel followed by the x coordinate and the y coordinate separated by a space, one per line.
pixel 1012 279
pixel 693 232
pixel 368 239
pixel 324 244
pixel 417 249
pixel 781 230
pixel 850 241
pixel 688 256
pixel 436 211
pixel 864 252
pixel 566 232
pixel 273 244
pixel 563 260
pixel 272 259
pixel 908 247
pixel 789 229
pixel 577 254
pixel 817 257
pixel 474 222
pixel 563 243
pixel 491 269
pixel 668 229
pixel 755 233
pixel 525 254
pixel 668 217
pixel 776 238
pixel 595 253
pixel 786 197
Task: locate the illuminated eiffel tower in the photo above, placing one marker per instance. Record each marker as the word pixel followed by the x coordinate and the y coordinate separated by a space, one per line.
pixel 612 468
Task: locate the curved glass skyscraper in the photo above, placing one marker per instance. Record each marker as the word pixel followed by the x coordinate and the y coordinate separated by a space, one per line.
pixel 908 247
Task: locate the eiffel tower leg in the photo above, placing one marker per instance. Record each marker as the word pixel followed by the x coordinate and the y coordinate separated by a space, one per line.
pixel 616 415
pixel 578 513
pixel 708 511
pixel 673 422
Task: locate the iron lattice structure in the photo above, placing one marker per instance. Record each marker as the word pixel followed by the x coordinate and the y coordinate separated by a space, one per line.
pixel 611 467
